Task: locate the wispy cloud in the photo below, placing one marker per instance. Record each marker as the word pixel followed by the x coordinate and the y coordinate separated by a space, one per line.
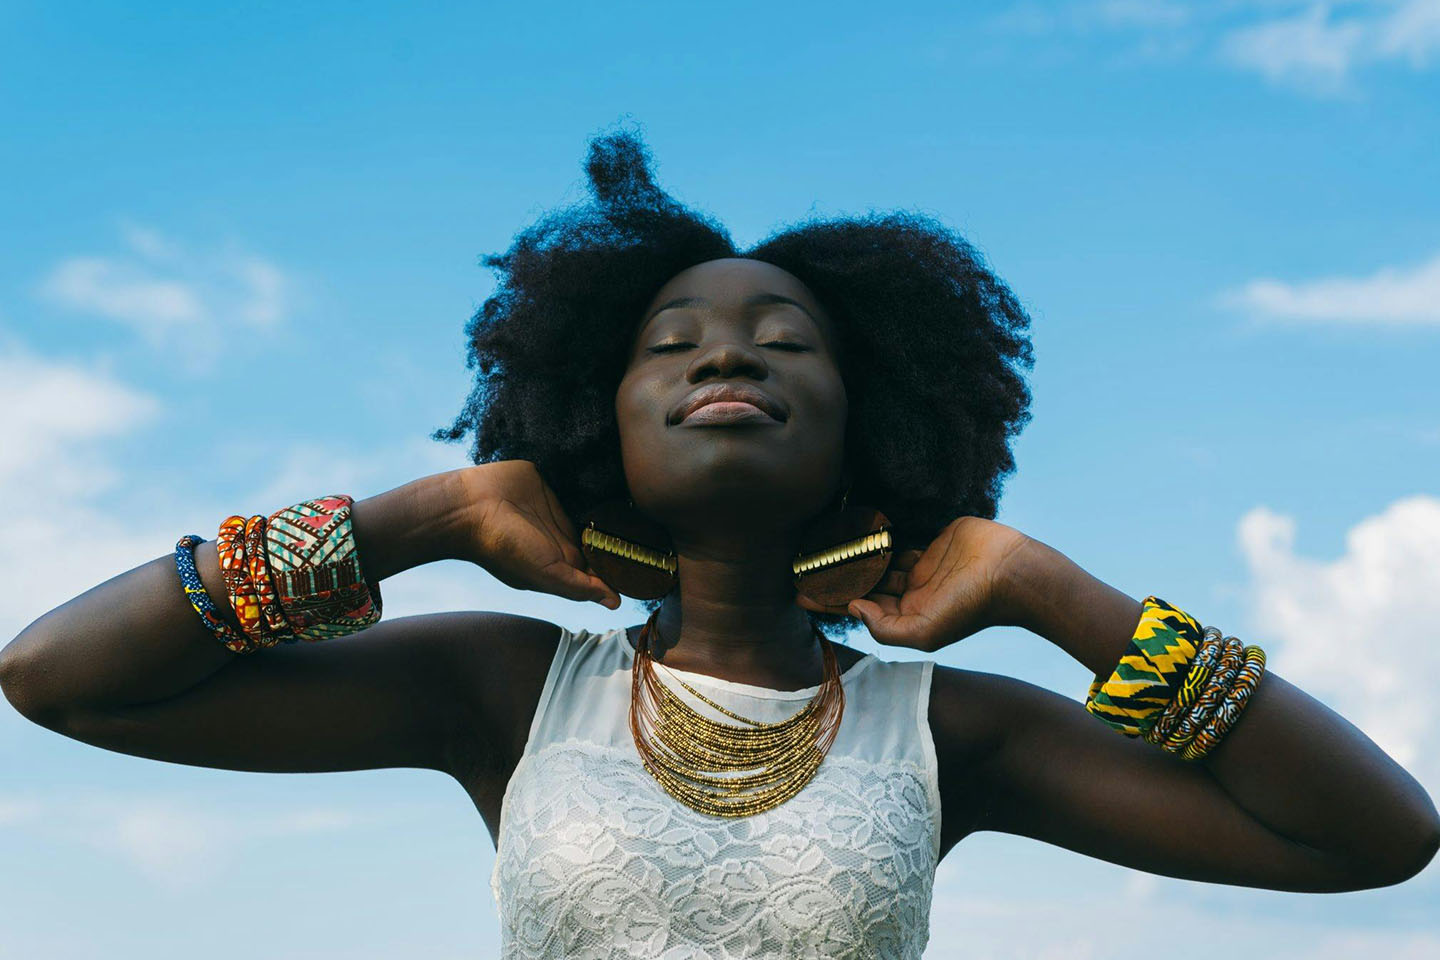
pixel 169 294
pixel 173 844
pixel 53 411
pixel 1308 49
pixel 1032 918
pixel 1319 50
pixel 1393 296
pixel 1314 47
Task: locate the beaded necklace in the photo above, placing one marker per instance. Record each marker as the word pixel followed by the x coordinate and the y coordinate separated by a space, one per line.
pixel 718 768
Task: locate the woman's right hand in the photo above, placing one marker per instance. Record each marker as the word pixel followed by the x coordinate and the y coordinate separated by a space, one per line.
pixel 521 536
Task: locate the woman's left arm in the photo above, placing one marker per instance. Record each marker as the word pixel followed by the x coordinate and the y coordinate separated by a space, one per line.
pixel 1293 797
pixel 1293 764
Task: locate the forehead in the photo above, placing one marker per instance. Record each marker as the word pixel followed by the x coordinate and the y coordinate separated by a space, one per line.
pixel 734 284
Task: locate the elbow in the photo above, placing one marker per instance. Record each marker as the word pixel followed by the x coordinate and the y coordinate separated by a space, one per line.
pixel 1410 861
pixel 1427 839
pixel 18 688
pixel 1425 850
pixel 10 680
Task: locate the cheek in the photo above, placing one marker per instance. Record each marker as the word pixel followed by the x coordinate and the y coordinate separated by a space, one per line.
pixel 833 403
pixel 634 405
pixel 639 415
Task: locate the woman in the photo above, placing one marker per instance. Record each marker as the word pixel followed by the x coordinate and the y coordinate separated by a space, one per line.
pixel 632 357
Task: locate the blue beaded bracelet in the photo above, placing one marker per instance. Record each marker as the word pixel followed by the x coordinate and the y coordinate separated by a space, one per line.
pixel 200 601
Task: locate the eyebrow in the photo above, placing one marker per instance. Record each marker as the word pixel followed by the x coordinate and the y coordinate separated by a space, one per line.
pixel 754 300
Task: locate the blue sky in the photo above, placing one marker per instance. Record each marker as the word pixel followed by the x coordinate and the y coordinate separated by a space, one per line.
pixel 1222 217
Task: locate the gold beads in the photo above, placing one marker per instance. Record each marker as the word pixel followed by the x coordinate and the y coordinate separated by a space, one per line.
pixel 718 768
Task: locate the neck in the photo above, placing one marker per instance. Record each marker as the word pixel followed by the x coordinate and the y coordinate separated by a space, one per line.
pixel 733 615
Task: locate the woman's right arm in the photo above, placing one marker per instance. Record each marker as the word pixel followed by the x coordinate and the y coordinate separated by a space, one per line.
pixel 128 665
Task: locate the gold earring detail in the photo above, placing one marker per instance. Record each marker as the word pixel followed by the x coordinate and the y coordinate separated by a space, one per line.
pixel 843 555
pixel 628 550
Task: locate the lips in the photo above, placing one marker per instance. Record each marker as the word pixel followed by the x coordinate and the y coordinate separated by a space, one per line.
pixel 731 392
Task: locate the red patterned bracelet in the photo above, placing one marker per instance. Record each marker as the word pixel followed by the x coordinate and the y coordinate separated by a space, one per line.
pixel 316 569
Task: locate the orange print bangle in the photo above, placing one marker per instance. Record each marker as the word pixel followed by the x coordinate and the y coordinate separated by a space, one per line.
pixel 257 563
pixel 230 548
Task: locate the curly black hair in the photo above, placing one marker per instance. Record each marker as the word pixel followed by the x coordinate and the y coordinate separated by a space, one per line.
pixel 933 345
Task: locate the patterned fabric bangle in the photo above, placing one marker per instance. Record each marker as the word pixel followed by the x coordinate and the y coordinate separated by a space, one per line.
pixel 1198 715
pixel 230 548
pixel 1230 708
pixel 1201 670
pixel 316 569
pixel 200 601
pixel 1151 671
pixel 257 560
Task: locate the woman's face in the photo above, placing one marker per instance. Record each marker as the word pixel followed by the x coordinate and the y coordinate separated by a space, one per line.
pixel 752 328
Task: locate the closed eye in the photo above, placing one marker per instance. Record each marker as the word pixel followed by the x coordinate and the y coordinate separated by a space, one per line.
pixel 680 345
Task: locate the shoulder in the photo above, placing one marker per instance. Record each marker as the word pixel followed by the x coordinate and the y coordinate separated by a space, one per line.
pixel 971 712
pixel 499 662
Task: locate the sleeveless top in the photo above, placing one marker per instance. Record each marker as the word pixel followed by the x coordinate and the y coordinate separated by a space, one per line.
pixel 595 860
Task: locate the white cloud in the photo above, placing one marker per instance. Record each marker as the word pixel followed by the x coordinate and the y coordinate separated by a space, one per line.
pixel 1357 631
pixel 1307 49
pixel 1017 921
pixel 148 242
pixel 1411 32
pixel 124 291
pixel 172 843
pixel 172 297
pixel 54 408
pixel 1319 50
pixel 1399 296
pixel 1316 47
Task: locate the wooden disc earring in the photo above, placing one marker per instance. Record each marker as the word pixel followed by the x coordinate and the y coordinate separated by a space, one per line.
pixel 843 554
pixel 628 550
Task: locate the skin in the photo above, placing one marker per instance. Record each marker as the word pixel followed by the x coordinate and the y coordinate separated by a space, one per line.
pixel 1294 797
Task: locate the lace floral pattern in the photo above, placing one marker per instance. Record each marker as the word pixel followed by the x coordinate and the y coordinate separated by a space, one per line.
pixel 596 861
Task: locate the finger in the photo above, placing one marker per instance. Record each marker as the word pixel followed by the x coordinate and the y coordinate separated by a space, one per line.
pixel 575 584
pixel 603 593
pixel 882 605
pixel 606 595
pixel 882 618
pixel 868 612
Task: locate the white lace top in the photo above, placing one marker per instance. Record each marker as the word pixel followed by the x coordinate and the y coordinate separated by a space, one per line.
pixel 595 860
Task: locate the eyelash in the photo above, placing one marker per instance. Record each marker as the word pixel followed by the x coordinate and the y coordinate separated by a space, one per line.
pixel 783 344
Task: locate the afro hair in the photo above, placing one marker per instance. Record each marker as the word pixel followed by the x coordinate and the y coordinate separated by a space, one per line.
pixel 933 404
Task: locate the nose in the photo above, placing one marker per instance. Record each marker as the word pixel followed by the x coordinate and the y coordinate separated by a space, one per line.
pixel 727 358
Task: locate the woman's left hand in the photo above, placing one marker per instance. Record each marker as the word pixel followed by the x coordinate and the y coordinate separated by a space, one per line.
pixel 952 589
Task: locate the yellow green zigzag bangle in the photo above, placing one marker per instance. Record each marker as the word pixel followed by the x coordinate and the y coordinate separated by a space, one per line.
pixel 1151 671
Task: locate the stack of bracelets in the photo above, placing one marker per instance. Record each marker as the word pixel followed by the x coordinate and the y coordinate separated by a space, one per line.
pixel 294 575
pixel 1178 685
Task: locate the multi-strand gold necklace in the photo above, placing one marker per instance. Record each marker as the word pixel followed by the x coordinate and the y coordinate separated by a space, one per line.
pixel 719 768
